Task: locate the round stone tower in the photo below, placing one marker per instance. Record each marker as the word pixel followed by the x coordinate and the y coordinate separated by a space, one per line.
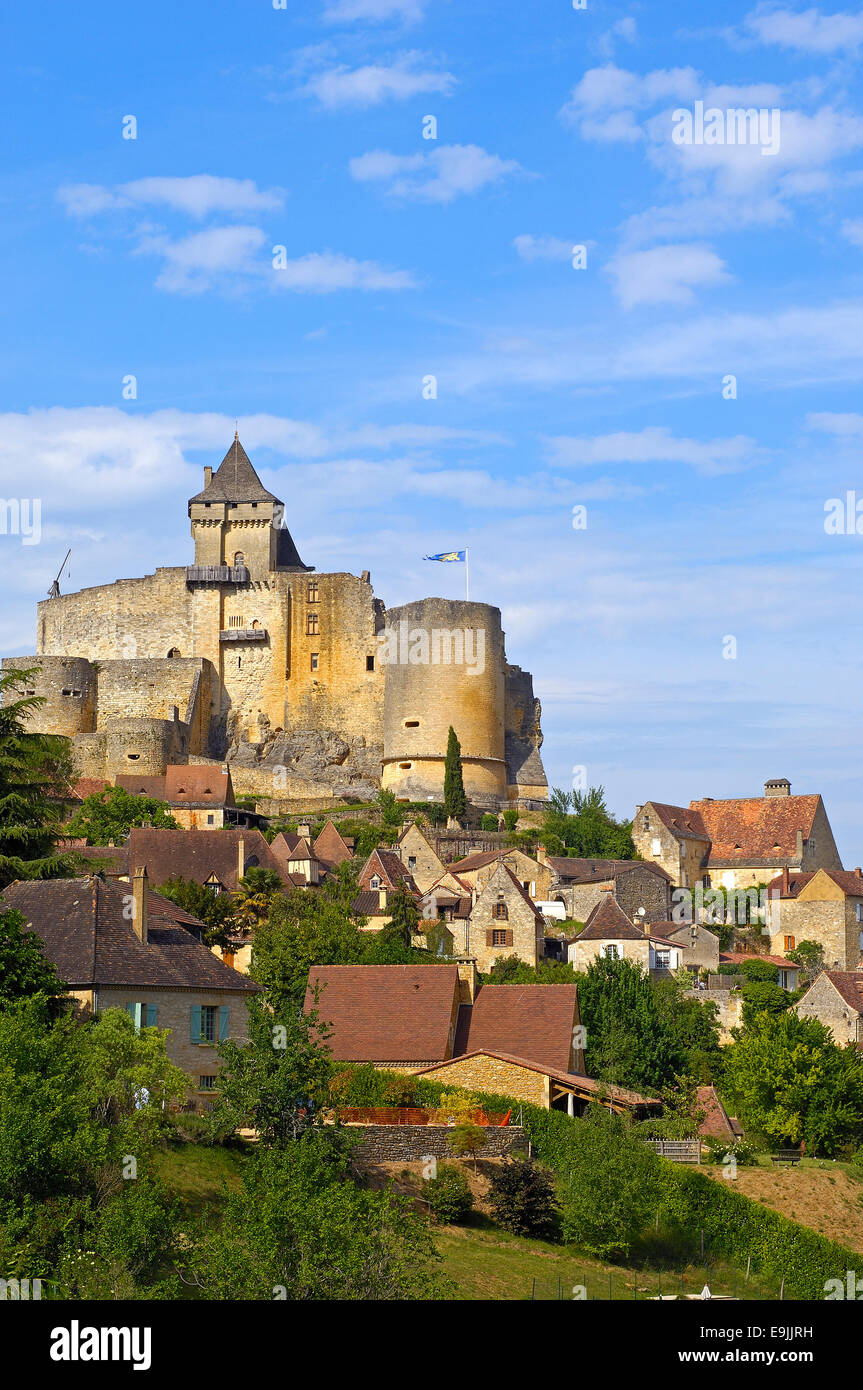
pixel 444 662
pixel 67 684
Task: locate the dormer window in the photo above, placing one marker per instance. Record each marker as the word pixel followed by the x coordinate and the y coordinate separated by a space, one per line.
pixel 375 881
pixel 500 912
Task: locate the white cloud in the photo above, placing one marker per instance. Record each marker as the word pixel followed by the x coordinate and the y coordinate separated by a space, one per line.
pixel 653 445
pixel 436 177
pixel 197 262
pixel 197 195
pixel 852 228
pixel 625 29
pixel 665 274
pixel 610 88
pixel 324 272
pixel 808 31
pixel 829 422
pixel 542 248
pixel 344 11
pixel 340 87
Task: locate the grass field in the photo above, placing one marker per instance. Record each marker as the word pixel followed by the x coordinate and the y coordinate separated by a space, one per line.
pixel 821 1194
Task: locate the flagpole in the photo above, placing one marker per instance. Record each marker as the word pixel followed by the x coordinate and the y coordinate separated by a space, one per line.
pixel 467 574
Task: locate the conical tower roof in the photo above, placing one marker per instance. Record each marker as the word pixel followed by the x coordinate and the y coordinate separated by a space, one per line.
pixel 235 480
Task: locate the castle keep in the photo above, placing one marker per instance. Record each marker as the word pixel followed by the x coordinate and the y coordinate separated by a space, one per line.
pixel 303 682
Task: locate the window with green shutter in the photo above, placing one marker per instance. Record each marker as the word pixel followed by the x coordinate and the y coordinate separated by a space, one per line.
pixel 135 1012
pixel 152 1014
pixel 195 1035
pixel 223 1023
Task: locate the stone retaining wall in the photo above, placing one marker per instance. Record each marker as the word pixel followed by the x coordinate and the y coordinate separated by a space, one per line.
pixel 407 1143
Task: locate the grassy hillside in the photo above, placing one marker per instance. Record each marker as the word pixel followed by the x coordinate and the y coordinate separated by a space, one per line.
pixel 820 1194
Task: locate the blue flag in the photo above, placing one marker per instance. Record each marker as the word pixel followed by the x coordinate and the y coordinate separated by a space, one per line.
pixel 447 555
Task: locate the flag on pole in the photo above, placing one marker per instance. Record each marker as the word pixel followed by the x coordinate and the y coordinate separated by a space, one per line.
pixel 447 555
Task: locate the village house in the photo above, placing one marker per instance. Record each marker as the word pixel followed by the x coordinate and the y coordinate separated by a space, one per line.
pixel 608 934
pixel 737 843
pixel 219 861
pixel 199 797
pixel 332 848
pixel 835 998
pixel 422 862
pixel 121 946
pixel 503 922
pixel 297 860
pixel 476 869
pixel 519 1041
pixel 580 885
pixel 384 869
pixel 825 907
pixel 702 945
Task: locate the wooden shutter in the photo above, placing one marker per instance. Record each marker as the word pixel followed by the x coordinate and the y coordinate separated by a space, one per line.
pixel 223 1023
pixel 489 937
pixel 152 1013
pixel 195 1024
pixel 509 937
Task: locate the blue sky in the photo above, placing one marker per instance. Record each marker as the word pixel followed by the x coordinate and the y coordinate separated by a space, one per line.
pixel 405 257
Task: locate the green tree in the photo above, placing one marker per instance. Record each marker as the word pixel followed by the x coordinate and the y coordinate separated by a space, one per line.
pixel 629 1042
pixel 454 798
pixel 392 814
pixel 790 1081
pixel 581 823
pixel 254 896
pixel 24 971
pixel 522 1199
pixel 467 1140
pixel 106 817
pixel 448 1195
pixel 613 1188
pixel 215 910
pixel 35 774
pixel 809 955
pixel 405 919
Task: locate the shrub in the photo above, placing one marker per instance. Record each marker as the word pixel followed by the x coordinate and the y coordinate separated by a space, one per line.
pixel 449 1196
pixel 522 1199
pixel 510 819
pixel 488 822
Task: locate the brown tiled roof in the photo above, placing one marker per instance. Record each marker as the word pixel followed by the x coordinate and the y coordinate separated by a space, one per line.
pixel 87 786
pixel 477 861
pixel 386 863
pixel 386 1013
pixel 756 827
pixel 530 1021
pixel 849 984
pixel 198 854
pixel 685 822
pixel 607 922
pixel 848 880
pixel 716 1124
pixel 90 940
pixel 330 847
pixel 142 786
pixel 737 958
pixel 602 870
pixel 367 903
pixel 198 785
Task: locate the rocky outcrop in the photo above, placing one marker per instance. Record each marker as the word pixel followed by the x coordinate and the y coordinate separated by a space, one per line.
pixel 317 757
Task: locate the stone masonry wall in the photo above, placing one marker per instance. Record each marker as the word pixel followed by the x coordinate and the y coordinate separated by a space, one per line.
pixel 407 1143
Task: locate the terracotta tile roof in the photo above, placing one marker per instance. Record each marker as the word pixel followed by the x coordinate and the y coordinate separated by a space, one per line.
pixel 387 865
pixel 477 861
pixel 530 1021
pixel 757 827
pixel 849 984
pixel 848 880
pixel 716 1124
pixel 737 957
pixel 85 933
pixel 607 922
pixel 142 786
pixel 386 1013
pixel 330 847
pixel 685 822
pixel 88 786
pixel 199 854
pixel 198 785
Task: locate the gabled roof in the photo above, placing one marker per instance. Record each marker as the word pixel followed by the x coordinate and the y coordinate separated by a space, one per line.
pixel 683 821
pixel 199 854
pixel 492 888
pixel 330 847
pixel 848 984
pixel 608 922
pixel 196 784
pixel 235 480
pixel 602 870
pixel 387 865
pixel 756 827
pixel 664 930
pixel 849 880
pixel 716 1124
pixel 89 938
pixel 386 1013
pixel 530 1021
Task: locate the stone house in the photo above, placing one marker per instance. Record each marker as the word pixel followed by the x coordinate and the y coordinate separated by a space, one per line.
pixel 121 946
pixel 608 934
pixel 835 998
pixel 825 907
pixel 199 796
pixel 477 869
pixel 702 945
pixel 514 1040
pixel 297 861
pixel 503 921
pixel 580 885
pixel 384 869
pixel 737 843
pixel 421 861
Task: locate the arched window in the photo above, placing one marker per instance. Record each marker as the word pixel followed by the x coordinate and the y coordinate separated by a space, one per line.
pixel 173 653
pixel 239 558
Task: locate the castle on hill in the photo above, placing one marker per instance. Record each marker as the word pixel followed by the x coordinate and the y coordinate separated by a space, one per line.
pixel 304 683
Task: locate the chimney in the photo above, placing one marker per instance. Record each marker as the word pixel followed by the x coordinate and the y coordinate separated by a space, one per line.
pixel 382 899
pixel 639 809
pixel 467 976
pixel 304 831
pixel 541 855
pixel 241 859
pixel 777 786
pixel 799 848
pixel 208 476
pixel 140 903
pixel 859 873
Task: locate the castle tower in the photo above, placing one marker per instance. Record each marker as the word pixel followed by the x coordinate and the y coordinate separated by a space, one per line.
pixel 236 522
pixel 445 665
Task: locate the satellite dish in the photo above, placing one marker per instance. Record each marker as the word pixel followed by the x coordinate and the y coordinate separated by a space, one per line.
pixel 641 912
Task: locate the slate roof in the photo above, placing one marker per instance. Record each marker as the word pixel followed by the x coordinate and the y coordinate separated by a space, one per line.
pixel 386 1013
pixel 89 940
pixel 757 827
pixel 602 870
pixel 235 480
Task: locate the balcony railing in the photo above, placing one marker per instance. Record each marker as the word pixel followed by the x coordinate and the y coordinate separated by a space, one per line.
pixel 217 574
pixel 243 634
